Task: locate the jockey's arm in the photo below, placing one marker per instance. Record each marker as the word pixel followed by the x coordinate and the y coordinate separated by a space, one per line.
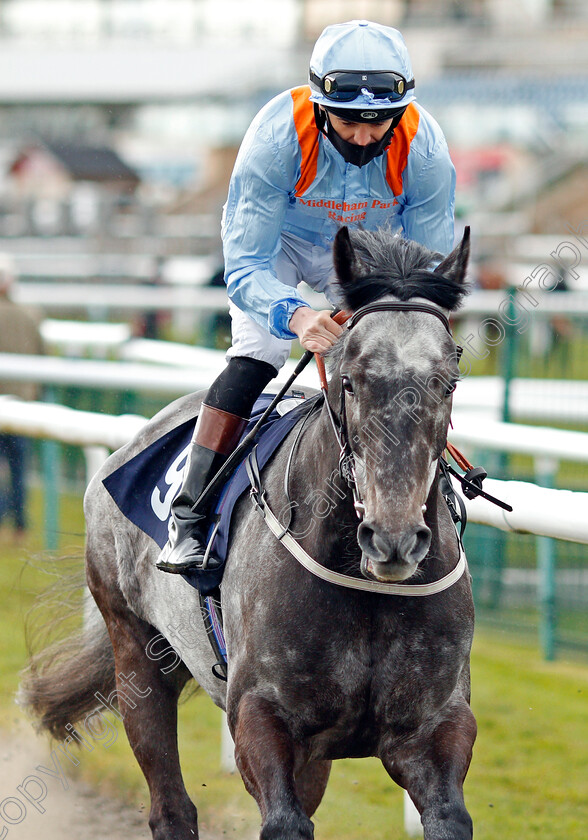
pixel 253 219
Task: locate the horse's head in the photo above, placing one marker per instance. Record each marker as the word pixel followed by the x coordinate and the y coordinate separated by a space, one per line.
pixel 393 374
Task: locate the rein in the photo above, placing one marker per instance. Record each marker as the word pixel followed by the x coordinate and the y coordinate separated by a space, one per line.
pixel 347 471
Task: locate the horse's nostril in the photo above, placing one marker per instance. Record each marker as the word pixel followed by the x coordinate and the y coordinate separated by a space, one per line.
pixel 415 545
pixel 372 543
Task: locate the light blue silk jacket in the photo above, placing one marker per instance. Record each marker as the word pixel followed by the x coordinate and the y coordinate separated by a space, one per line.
pixel 264 219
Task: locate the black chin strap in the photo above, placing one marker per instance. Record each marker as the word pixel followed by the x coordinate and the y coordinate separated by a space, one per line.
pixel 320 118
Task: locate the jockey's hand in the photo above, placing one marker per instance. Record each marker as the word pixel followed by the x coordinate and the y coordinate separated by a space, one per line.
pixel 316 330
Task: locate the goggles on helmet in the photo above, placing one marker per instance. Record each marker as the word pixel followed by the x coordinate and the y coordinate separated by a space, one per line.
pixel 346 85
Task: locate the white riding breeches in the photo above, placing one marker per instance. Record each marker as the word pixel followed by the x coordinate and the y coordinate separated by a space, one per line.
pixel 250 339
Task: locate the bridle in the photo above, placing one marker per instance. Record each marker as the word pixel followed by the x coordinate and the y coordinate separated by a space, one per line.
pixel 338 421
pixel 398 306
pixel 347 469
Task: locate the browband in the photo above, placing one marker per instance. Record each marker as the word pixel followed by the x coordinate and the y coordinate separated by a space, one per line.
pixel 392 306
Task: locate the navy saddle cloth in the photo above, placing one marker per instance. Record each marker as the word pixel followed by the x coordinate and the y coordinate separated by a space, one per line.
pixel 145 486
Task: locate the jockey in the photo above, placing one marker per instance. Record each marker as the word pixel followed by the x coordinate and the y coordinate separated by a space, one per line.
pixel 351 148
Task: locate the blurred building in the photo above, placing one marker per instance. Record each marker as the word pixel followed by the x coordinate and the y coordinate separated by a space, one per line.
pixel 50 170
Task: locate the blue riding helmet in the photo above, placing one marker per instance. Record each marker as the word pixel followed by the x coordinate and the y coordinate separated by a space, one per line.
pixel 359 65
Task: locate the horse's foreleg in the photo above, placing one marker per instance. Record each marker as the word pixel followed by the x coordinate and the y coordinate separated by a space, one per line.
pixel 311 784
pixel 147 700
pixel 267 759
pixel 432 769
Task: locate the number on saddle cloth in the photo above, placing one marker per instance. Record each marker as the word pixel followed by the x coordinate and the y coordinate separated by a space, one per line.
pixel 144 487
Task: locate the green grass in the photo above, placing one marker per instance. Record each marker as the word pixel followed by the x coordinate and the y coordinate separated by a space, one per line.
pixel 565 359
pixel 528 776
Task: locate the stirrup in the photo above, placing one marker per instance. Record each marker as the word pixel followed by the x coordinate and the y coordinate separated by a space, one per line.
pixel 199 564
pixel 178 568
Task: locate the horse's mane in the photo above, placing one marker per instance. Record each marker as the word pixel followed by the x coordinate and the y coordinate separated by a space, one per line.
pixel 388 264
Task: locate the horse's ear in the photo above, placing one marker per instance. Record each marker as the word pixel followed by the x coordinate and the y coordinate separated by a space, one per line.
pixel 456 263
pixel 344 259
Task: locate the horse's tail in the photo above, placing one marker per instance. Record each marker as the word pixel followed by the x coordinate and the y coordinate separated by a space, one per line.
pixel 60 683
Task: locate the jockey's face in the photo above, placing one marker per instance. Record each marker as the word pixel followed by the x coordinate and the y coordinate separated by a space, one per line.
pixel 359 133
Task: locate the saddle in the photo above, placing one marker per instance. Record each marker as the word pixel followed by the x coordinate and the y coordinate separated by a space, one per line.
pixel 144 487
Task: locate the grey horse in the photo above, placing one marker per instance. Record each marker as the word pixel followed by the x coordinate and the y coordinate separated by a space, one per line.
pixel 366 653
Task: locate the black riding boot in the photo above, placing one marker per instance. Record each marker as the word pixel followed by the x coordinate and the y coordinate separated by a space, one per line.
pixel 218 430
pixel 216 435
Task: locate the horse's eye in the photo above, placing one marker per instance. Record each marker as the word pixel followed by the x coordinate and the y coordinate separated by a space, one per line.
pixel 451 388
pixel 346 383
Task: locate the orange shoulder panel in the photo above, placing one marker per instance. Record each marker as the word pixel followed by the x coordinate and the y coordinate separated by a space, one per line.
pixel 308 137
pixel 400 147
